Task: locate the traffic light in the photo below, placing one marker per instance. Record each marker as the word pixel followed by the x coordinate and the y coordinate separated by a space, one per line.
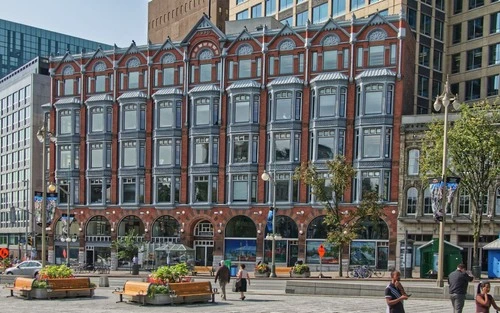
pixel 30 240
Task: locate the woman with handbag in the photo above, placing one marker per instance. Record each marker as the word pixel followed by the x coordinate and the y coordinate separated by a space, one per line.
pixel 242 280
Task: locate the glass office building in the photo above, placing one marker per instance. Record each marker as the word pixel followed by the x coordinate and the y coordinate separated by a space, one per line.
pixel 21 43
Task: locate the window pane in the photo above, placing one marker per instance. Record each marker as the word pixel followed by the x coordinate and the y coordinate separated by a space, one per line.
pixel 97 121
pixel 301 18
pixel 240 189
pixel 240 153
pixel 320 13
pixel 413 159
pixel 283 109
pixel 130 119
pixel 100 84
pixel 373 99
pixel 330 60
pixel 96 158
pixel 242 112
pixel 205 72
pixel 168 76
pixel 244 68
pixel 129 156
pixel 286 64
pixel 65 124
pixel 165 155
pixel 282 150
pixel 326 148
pixel 202 153
pixel 257 10
pixel 165 117
pixel 327 105
pixel 376 56
pixel 133 80
pixel 202 114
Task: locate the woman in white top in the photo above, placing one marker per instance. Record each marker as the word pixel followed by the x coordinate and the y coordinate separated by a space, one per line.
pixel 243 278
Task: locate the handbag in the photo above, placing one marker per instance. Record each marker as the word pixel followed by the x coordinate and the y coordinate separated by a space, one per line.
pixel 236 285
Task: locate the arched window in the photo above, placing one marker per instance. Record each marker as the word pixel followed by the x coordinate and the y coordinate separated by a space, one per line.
pixel 240 243
pixel 427 201
pixel 286 227
pixel 413 159
pixel 497 201
pixel 241 226
pixel 464 202
pixel 411 200
pixel 166 226
pixel 98 226
pixel 373 230
pixel 317 229
pixel 131 223
pixel 204 228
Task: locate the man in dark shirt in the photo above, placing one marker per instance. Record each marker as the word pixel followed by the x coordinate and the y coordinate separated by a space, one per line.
pixel 458 281
pixel 393 296
pixel 223 276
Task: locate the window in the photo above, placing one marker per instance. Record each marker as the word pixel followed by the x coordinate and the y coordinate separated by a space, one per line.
pixel 495 23
pixel 464 202
pixel 240 188
pixel 411 200
pixel 457 33
pixel 168 76
pixel 455 63
pixel 357 4
pixel 427 201
pixel 438 30
pixel 412 18
pixel 457 6
pixel 65 122
pixel 475 4
pixel 497 201
pixel 359 57
pixel 314 57
pixel 202 111
pixel 327 102
pixel 424 56
pixel 165 152
pixel 65 157
pixel 282 145
pixel 326 145
pixel 242 108
pixel 440 4
pixel 69 87
pixel 374 98
pixel 472 89
pixel 301 18
pixel 423 86
pixel 474 58
pixel 376 56
pixel 129 190
pixel 257 10
pixel 393 54
pixel 425 24
pixel 320 13
pixel 240 1
pixel 100 83
pixel 244 68
pixel 371 142
pixel 475 28
pixel 241 149
pixel 97 186
pixel 345 58
pixel 493 85
pixel 166 114
pixel 168 189
pixel 494 54
pixel 413 162
pixel 437 60
pixel 270 7
pixel 286 64
pixel 243 15
pixel 338 8
pixel 284 105
pixel 205 72
pixel 201 189
pixel 96 155
pixel 97 119
pixel 285 4
pixel 202 150
pixel 130 154
pixel 330 61
pixel 287 21
pixel 370 182
pixel 133 80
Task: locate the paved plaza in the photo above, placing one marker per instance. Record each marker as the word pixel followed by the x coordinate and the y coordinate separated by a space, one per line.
pixel 259 299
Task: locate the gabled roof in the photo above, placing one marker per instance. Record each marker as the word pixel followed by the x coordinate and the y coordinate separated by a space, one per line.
pixel 244 84
pixel 445 242
pixel 68 100
pixel 329 76
pixel 376 72
pixel 203 24
pixel 132 95
pixel 67 58
pixel 167 45
pixel 131 50
pixel 167 91
pixel 98 54
pixel 100 98
pixel 376 19
pixel 285 80
pixel 285 31
pixel 494 245
pixel 329 25
pixel 204 88
pixel 244 35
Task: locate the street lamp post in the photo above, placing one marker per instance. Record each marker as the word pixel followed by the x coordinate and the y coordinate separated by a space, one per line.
pixel 271 178
pixel 68 237
pixel 445 99
pixel 42 135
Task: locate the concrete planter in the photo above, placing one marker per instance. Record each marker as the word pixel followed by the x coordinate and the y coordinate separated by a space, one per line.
pixel 303 275
pixel 159 299
pixel 39 293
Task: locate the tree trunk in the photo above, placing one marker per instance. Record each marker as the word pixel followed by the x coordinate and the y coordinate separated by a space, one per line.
pixel 341 250
pixel 476 231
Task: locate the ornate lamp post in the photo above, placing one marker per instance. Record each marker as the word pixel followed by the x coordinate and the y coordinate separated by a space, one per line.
pixel 445 99
pixel 68 238
pixel 271 179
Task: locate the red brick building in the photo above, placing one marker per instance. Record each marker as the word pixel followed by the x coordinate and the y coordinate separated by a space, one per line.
pixel 170 140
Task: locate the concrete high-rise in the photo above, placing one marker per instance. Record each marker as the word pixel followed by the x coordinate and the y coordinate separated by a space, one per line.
pixel 456 37
pixel 174 18
pixel 19 44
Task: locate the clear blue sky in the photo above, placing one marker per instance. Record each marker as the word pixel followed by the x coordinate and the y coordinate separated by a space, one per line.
pixel 106 21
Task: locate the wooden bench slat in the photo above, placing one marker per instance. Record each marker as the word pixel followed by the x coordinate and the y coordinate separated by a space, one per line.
pixel 22 285
pixel 134 289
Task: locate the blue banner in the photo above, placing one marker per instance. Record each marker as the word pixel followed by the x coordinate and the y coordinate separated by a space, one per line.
pixel 270 220
pixel 50 207
pixel 436 190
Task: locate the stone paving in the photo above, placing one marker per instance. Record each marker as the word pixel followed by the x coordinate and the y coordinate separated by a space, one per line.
pixel 256 302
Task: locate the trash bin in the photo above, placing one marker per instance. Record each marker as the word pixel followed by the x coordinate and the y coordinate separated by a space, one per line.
pixel 135 269
pixel 234 270
pixel 104 281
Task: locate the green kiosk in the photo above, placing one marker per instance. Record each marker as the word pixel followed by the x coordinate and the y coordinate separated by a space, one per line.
pixel 429 257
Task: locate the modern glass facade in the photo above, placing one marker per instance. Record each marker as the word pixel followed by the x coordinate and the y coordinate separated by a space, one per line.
pixel 21 43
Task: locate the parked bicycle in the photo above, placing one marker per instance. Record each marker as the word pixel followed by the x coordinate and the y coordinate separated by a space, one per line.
pixel 364 271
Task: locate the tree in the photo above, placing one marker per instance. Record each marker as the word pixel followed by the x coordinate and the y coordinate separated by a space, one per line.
pixel 126 247
pixel 328 187
pixel 473 155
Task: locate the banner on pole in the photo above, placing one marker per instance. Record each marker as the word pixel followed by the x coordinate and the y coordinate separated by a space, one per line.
pixel 50 207
pixel 436 190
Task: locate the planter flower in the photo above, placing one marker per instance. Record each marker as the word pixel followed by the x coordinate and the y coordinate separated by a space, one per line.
pixel 262 270
pixel 300 270
pixel 168 274
pixel 55 271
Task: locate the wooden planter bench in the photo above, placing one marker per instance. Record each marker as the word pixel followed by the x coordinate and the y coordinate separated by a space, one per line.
pixel 23 286
pixel 69 287
pixel 203 270
pixel 193 292
pixel 134 289
pixel 287 271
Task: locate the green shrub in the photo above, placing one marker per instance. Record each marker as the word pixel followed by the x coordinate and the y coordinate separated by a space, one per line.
pixel 168 274
pixel 42 284
pixel 158 290
pixel 300 269
pixel 55 271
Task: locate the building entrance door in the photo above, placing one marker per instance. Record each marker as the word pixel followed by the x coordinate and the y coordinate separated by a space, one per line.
pixel 204 252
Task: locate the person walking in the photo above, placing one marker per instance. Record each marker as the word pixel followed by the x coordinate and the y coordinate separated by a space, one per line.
pixel 458 281
pixel 243 279
pixel 224 277
pixel 393 296
pixel 483 299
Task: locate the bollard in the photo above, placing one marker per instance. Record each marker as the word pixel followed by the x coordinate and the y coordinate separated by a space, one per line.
pixel 104 281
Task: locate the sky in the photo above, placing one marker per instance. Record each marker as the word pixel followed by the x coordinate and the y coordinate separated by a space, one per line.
pixel 105 21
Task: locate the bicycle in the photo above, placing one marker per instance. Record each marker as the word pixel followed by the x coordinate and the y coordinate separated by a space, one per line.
pixel 361 272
